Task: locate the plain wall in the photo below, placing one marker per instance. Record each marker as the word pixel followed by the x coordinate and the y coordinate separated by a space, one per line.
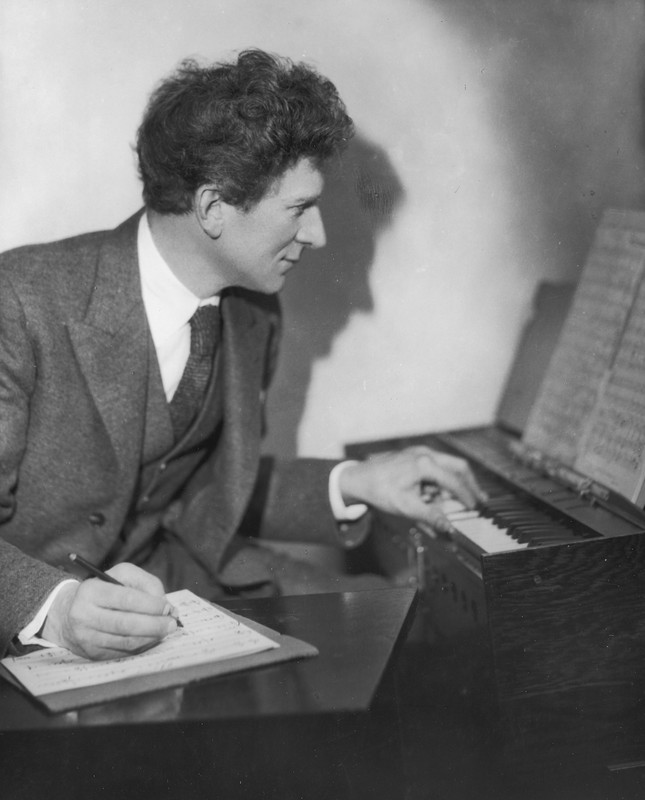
pixel 490 137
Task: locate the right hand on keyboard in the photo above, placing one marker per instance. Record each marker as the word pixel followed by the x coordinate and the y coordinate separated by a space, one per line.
pixel 397 483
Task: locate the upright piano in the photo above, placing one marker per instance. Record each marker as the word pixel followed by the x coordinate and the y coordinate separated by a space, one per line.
pixel 547 577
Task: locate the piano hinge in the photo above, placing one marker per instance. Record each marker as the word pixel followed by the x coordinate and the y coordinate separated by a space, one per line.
pixel 583 486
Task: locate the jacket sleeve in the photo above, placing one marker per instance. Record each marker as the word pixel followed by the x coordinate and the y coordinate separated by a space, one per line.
pixel 24 581
pixel 290 500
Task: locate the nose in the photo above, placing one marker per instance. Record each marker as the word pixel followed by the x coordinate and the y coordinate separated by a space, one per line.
pixel 312 229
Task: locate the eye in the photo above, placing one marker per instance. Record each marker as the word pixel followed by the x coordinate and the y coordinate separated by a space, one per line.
pixel 300 208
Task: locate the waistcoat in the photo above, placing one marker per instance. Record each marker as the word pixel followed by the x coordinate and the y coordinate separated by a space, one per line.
pixel 167 465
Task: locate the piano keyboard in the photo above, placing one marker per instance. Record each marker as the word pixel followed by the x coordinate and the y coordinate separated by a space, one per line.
pixel 526 511
pixel 483 532
pixel 506 521
pixel 543 581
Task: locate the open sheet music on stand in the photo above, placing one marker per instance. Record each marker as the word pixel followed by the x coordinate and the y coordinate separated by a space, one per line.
pixel 590 411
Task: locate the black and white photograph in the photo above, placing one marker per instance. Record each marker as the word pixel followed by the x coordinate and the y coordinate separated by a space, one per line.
pixel 322 399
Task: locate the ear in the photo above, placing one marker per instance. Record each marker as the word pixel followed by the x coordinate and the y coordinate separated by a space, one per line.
pixel 209 210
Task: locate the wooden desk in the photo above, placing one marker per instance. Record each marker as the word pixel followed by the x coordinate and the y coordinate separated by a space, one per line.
pixel 343 725
pixel 310 729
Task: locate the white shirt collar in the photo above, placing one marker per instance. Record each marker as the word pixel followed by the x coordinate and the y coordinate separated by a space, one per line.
pixel 169 304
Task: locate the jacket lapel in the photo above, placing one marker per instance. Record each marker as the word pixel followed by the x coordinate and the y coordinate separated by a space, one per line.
pixel 216 506
pixel 111 343
pixel 242 378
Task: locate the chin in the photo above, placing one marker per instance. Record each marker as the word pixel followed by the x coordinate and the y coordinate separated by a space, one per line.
pixel 277 284
pixel 272 288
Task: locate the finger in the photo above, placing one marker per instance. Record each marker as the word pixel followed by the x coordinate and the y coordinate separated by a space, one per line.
pixel 464 473
pixel 122 598
pixel 439 523
pixel 441 526
pixel 444 475
pixel 131 575
pixel 128 624
pixel 430 492
pixel 97 632
pixel 454 474
pixel 464 487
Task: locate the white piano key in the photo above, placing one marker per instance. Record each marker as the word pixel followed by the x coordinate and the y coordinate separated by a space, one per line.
pixel 486 535
pixel 451 505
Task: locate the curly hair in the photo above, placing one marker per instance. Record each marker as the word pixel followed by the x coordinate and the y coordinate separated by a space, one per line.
pixel 238 125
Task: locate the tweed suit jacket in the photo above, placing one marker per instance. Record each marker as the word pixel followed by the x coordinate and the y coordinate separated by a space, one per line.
pixel 75 357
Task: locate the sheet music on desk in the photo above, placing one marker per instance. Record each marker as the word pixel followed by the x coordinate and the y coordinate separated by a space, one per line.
pixel 208 634
pixel 212 642
pixel 590 412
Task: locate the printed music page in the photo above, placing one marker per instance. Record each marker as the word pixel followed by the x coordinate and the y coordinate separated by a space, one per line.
pixel 612 450
pixel 583 360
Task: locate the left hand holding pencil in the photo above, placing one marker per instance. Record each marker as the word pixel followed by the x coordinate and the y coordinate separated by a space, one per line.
pixel 100 620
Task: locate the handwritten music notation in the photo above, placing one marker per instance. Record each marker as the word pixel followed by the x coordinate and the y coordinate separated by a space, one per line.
pixel 209 634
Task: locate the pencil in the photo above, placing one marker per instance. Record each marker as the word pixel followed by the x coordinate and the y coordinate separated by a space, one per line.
pixel 103 576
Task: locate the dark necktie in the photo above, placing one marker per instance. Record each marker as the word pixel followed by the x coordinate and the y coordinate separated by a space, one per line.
pixel 204 340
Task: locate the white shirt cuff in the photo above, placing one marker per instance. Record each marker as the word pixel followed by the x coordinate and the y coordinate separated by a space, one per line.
pixel 28 635
pixel 342 512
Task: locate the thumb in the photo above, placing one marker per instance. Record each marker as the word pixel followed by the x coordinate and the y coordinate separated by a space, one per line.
pixel 437 520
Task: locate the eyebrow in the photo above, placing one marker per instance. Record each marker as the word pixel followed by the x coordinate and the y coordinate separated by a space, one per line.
pixel 308 200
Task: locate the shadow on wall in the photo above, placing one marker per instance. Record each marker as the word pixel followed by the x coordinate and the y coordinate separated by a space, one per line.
pixel 360 198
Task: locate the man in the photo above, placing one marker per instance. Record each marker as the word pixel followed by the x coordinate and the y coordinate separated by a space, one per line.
pixel 134 365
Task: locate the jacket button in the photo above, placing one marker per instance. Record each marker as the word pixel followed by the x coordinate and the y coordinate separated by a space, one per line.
pixel 96 518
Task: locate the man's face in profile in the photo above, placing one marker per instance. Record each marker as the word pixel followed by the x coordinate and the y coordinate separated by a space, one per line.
pixel 259 246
